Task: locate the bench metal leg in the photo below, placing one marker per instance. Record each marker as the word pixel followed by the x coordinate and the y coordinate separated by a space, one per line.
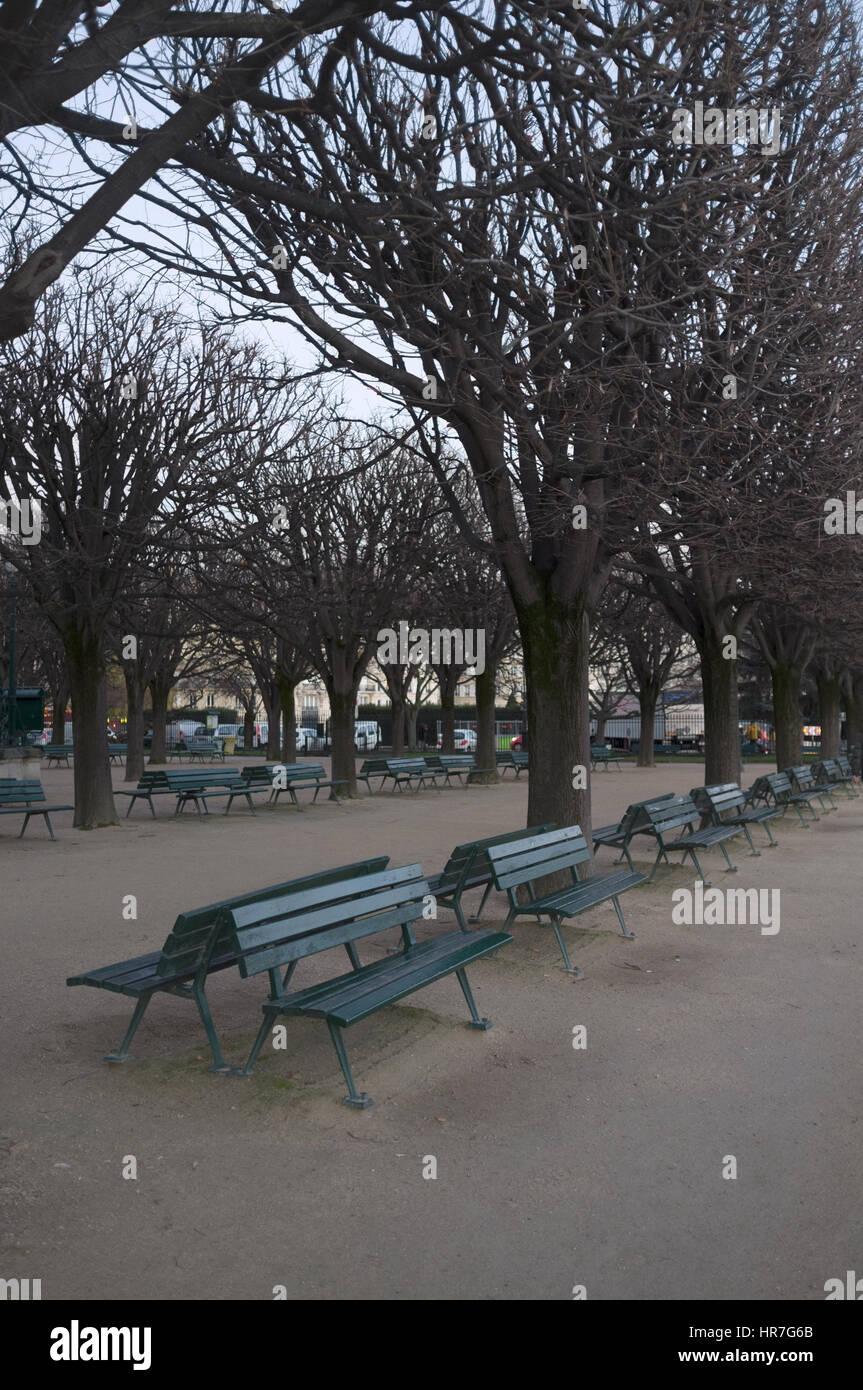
pixel 219 1063
pixel 358 1099
pixel 476 915
pixel 774 844
pixel 660 855
pixel 122 1053
pixel 698 867
pixel 756 853
pixel 623 927
pixel 475 1020
pixel 574 970
pixel 732 868
pixel 352 954
pixel 266 1027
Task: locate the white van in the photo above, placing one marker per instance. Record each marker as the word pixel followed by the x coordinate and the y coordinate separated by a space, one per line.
pixel 367 736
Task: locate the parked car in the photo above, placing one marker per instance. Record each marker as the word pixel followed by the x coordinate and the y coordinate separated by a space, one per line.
pixel 367 736
pixel 308 740
pixel 39 739
pixel 465 741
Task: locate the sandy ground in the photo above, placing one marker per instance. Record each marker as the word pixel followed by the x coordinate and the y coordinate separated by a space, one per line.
pixel 556 1167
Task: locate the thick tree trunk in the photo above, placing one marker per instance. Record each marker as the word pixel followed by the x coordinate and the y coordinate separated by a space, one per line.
pixel 344 767
pixel 289 719
pixel 59 700
pixel 721 723
pixel 830 712
pixel 160 691
pixel 399 720
pixel 411 720
pixel 447 678
pixel 248 730
pixel 94 797
pixel 555 644
pixel 647 698
pixel 134 722
pixel 854 720
pixel 787 680
pixel 270 697
pixel 485 739
pixel 599 736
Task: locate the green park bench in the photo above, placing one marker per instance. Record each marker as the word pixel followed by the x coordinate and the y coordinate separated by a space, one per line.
pixel 515 759
pixel 294 777
pixel 373 767
pixel 776 789
pixel 272 935
pixel 150 784
pixel 723 798
pixel 632 823
pixel 661 818
pixel 468 867
pixel 454 765
pixel 117 752
pixel 200 749
pixel 198 946
pixel 411 772
pixel 828 773
pixel 603 755
pixel 804 784
pixel 200 785
pixel 58 753
pixel 844 765
pixel 518 863
pixel 23 796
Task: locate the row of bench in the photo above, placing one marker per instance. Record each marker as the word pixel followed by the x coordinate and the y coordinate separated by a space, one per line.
pixel 272 930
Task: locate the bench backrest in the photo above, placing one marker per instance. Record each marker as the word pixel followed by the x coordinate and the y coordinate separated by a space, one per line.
pixel 601 748
pixel 844 764
pixel 285 772
pixel 670 814
pixel 266 936
pixel 406 765
pixel 466 858
pixel 632 814
pixel 201 777
pixel 827 770
pixel 719 798
pixel 191 942
pixel 58 748
pixel 777 784
pixel 529 857
pixel 158 777
pixel 24 790
pixel 373 765
pixel 453 760
pixel 801 776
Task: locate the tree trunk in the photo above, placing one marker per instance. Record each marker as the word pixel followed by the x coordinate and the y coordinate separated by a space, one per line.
pixel 447 679
pixel 411 721
pixel 59 700
pixel 830 711
pixel 272 704
pixel 555 644
pixel 854 719
pixel 485 739
pixel 787 680
pixel 289 719
pixel 94 797
pixel 647 698
pixel 721 723
pixel 135 687
pixel 160 690
pixel 398 738
pixel 248 730
pixel 599 736
pixel 344 767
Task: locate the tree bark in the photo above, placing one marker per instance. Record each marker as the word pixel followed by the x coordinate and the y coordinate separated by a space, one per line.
pixel 854 719
pixel 94 797
pixel 485 739
pixel 555 641
pixel 135 687
pixel 647 698
pixel 830 711
pixel 721 723
pixel 160 690
pixel 344 767
pixel 272 704
pixel 599 736
pixel 399 713
pixel 411 720
pixel 289 719
pixel 447 679
pixel 59 700
pixel 787 680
